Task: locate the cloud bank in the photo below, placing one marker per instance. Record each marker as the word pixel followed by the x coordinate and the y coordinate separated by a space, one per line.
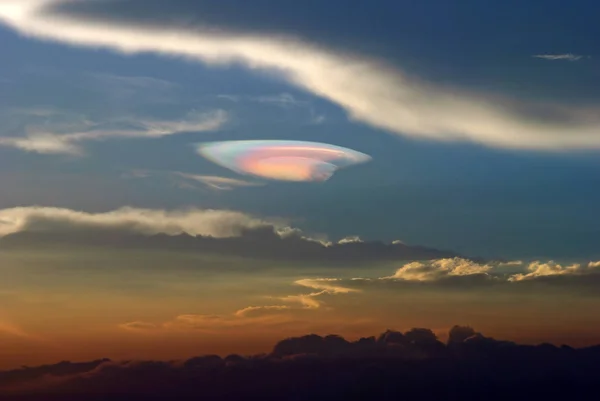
pixel 204 222
pixel 223 232
pixel 371 92
pixel 413 364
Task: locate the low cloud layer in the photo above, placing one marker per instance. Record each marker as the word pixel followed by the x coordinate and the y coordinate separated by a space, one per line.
pixel 388 366
pixel 371 92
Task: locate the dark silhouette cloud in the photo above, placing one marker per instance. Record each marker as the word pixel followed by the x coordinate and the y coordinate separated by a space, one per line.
pixel 413 365
pixel 261 242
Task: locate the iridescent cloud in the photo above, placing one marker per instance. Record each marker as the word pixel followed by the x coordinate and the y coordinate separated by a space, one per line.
pixel 282 160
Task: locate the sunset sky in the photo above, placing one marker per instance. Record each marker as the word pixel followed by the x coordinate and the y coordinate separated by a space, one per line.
pixel 468 128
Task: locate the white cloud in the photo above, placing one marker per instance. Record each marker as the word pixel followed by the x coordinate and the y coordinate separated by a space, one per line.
pixel 565 56
pixel 540 269
pixel 138 326
pixel 593 265
pixel 51 142
pixel 207 222
pixel 350 240
pixel 369 91
pixel 42 143
pixel 437 269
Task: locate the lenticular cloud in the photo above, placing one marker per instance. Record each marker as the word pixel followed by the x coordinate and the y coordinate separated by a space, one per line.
pixel 282 160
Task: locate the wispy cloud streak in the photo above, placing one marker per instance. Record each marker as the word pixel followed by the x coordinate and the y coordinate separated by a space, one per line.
pixel 566 56
pixel 48 142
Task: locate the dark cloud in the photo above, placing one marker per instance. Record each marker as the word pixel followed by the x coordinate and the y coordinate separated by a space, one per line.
pixel 413 365
pixel 261 242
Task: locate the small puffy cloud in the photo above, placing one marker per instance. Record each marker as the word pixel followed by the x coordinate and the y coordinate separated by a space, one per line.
pixel 565 56
pixel 350 240
pixel 593 265
pixel 438 269
pixel 539 269
pixel 205 222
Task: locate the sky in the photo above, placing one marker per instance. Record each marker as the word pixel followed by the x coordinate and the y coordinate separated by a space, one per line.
pixel 479 125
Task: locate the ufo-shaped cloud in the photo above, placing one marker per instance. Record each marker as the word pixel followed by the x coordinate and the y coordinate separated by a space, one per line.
pixel 281 160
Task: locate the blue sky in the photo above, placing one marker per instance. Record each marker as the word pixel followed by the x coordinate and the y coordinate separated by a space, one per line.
pixel 429 183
